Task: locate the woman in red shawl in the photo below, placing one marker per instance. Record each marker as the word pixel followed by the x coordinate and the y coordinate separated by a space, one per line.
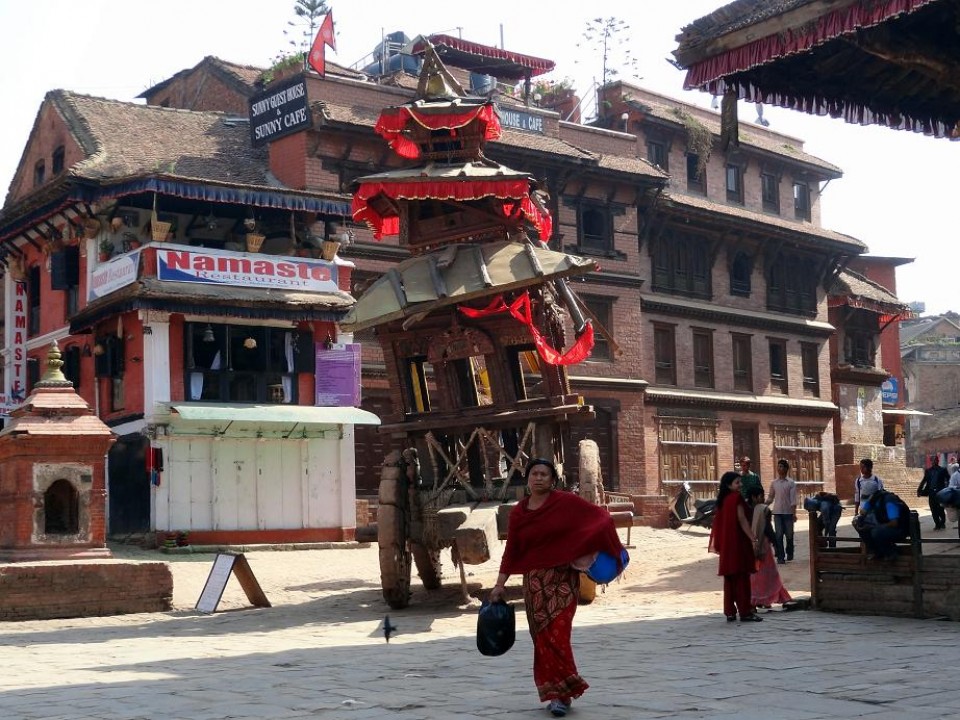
pixel 732 538
pixel 548 531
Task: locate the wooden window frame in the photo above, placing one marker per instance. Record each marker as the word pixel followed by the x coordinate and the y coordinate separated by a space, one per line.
pixel 696 183
pixel 687 452
pixel 802 200
pixel 682 265
pixel 665 354
pixel 601 306
pixel 734 183
pixel 770 192
pixel 779 378
pixel 742 376
pixel 703 360
pixel 810 364
pixel 656 152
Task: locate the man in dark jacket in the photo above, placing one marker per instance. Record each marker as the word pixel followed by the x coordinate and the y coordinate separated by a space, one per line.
pixel 935 479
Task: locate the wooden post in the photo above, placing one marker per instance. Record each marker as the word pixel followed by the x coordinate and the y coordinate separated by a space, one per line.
pixel 814 540
pixel 916 550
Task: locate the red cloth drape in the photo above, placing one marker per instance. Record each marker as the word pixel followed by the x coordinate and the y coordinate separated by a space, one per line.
pixel 393 121
pixel 516 191
pixel 521 310
pixel 566 527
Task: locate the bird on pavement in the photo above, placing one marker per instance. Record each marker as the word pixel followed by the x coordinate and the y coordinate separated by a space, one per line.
pixel 388 629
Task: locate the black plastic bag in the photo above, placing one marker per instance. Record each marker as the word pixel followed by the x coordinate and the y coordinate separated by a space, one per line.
pixel 496 628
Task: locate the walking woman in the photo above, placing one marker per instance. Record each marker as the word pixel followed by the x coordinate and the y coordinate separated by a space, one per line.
pixel 766 585
pixel 732 538
pixel 549 531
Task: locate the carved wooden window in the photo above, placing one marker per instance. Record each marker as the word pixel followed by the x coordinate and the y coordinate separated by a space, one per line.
pixel 741 271
pixel 792 284
pixel 681 265
pixel 802 447
pixel 665 354
pixel 687 449
pixel 472 381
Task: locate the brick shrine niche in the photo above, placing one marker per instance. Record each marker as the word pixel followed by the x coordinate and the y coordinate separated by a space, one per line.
pixel 61 503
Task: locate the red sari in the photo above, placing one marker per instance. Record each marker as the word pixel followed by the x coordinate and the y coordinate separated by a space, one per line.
pixel 737 558
pixel 541 544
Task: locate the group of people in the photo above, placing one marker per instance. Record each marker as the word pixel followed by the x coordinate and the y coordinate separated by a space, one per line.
pixel 935 480
pixel 747 541
pixel 552 536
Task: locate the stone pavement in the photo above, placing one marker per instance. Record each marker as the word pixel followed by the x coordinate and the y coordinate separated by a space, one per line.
pixel 645 663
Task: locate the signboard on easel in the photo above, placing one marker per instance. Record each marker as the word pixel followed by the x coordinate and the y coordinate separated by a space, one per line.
pixel 224 565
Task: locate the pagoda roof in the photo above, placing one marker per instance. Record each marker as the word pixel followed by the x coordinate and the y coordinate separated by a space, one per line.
pixel 457 274
pixel 484 59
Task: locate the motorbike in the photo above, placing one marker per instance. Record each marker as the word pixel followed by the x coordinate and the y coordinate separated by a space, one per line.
pixel 680 514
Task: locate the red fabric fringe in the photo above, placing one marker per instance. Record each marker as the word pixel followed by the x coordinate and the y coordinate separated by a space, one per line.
pixel 515 191
pixel 393 121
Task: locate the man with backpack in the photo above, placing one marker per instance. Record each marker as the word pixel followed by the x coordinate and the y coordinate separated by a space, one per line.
pixel 882 521
pixel 935 479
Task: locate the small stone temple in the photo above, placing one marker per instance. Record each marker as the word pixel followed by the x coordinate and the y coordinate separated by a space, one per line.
pixel 52 474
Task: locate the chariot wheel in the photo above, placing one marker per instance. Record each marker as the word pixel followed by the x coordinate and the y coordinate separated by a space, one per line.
pixel 392 538
pixel 428 565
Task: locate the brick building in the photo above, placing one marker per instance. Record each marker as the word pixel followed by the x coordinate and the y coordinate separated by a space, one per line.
pixel 713 261
pixel 186 289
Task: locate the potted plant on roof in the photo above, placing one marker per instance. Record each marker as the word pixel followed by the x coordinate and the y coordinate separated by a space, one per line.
pixel 105 249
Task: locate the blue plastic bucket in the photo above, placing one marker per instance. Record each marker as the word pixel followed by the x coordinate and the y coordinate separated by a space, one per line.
pixel 604 568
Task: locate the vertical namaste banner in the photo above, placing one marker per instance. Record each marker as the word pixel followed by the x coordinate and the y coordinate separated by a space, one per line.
pixel 338 375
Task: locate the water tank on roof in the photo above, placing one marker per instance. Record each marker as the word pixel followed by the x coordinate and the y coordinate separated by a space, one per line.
pixel 482 84
pixel 387 58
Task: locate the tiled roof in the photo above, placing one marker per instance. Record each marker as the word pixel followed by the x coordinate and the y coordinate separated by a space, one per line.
pixel 734 16
pixel 941 424
pixel 695 201
pixel 750 135
pixel 541 143
pixel 632 165
pixel 352 115
pixel 856 285
pixel 127 140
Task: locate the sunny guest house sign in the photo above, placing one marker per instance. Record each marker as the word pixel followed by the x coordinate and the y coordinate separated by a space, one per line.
pixel 210 267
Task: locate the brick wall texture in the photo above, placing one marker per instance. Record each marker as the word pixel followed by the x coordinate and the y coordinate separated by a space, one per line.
pixel 88 589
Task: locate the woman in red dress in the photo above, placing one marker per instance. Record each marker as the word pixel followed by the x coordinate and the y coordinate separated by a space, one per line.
pixel 732 538
pixel 548 531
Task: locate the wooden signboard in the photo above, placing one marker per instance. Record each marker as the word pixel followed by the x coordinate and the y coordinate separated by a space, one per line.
pixel 224 565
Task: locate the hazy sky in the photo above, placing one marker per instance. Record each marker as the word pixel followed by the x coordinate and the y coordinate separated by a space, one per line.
pixel 896 194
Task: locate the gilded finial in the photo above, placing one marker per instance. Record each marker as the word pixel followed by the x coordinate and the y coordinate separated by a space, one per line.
pixel 54 377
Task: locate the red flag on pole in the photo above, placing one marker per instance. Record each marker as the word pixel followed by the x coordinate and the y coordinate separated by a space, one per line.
pixel 324 37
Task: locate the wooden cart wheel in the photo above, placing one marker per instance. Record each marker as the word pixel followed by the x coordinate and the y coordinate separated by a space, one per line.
pixel 428 565
pixel 392 539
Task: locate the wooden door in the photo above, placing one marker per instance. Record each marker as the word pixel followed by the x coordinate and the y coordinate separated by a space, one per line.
pixel 745 442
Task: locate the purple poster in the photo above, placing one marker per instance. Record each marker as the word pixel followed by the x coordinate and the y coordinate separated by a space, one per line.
pixel 338 375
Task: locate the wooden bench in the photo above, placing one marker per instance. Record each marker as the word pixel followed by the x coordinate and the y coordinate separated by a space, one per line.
pixel 620 508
